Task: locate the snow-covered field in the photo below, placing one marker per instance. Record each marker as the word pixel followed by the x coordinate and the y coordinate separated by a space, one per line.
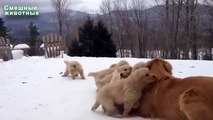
pixel 32 88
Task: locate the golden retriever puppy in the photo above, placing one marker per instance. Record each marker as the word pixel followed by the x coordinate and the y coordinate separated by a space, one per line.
pixel 121 63
pixel 74 68
pixel 121 72
pixel 113 65
pixel 127 92
pixel 138 65
pixel 100 83
pixel 102 73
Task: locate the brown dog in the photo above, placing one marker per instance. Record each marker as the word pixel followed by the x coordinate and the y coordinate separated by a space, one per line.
pixel 74 68
pixel 171 98
pixel 127 92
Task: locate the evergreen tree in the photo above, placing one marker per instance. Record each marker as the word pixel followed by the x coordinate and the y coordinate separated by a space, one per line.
pixel 3 29
pixel 75 50
pixel 103 44
pixel 86 38
pixel 33 37
pixel 94 40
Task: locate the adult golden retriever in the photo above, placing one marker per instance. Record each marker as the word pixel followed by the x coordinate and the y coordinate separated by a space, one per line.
pixel 171 98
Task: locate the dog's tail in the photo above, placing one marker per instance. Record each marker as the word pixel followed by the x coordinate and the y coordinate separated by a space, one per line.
pixel 95 106
pixel 93 74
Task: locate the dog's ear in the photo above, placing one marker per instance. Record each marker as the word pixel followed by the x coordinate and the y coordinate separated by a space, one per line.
pixel 167 66
pixel 148 64
pixel 66 62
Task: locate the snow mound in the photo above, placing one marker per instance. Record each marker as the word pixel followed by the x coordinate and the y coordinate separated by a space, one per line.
pixel 17 54
pixel 21 46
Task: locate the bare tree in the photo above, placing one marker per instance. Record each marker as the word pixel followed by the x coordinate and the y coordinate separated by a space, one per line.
pixel 114 13
pixel 170 19
pixel 106 9
pixel 141 25
pixel 208 24
pixel 61 7
pixel 128 25
pixel 191 23
pixel 175 34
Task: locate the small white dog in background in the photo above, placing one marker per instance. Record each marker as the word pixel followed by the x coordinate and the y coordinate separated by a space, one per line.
pixel 74 68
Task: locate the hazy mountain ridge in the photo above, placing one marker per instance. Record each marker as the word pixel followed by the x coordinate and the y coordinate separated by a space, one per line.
pixel 46 22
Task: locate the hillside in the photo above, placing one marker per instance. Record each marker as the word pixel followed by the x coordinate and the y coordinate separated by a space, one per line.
pixel 46 22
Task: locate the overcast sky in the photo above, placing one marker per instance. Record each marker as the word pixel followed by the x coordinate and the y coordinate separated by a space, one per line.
pixel 90 6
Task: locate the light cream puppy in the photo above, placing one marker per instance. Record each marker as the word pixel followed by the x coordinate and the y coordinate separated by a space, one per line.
pixel 74 68
pixel 100 83
pixel 113 65
pixel 119 73
pixel 121 63
pixel 127 92
pixel 102 73
pixel 138 65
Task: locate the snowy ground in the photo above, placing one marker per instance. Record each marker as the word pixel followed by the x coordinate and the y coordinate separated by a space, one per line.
pixel 32 88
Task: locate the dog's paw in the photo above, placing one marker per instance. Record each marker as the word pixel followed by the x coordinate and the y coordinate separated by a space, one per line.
pixel 64 76
pixel 118 116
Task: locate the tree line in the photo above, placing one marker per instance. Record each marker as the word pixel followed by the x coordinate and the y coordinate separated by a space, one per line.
pixel 93 40
pixel 179 32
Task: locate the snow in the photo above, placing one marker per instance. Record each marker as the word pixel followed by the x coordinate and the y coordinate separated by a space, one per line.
pixel 11 46
pixel 42 45
pixel 21 46
pixel 17 54
pixel 31 88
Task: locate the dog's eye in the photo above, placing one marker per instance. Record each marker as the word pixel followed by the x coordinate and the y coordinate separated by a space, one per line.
pixel 147 74
pixel 125 69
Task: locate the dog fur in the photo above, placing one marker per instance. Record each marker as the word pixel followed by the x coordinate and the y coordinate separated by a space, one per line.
pixel 138 65
pixel 102 73
pixel 74 68
pixel 119 73
pixel 100 83
pixel 113 65
pixel 127 92
pixel 171 98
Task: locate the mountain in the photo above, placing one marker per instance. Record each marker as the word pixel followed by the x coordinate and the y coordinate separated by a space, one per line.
pixel 46 22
